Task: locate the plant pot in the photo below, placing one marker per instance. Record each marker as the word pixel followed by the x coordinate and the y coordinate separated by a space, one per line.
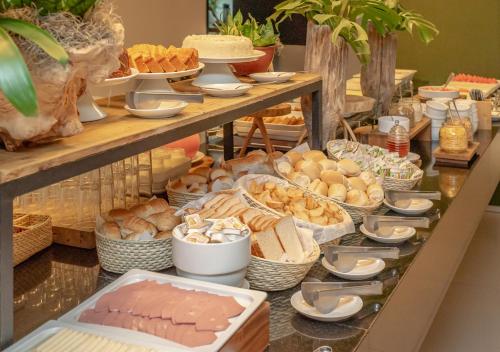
pixel 260 65
pixel 377 77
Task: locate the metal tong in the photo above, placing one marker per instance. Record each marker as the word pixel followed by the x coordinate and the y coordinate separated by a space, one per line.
pixel 403 198
pixel 345 258
pixel 153 99
pixel 383 226
pixel 325 296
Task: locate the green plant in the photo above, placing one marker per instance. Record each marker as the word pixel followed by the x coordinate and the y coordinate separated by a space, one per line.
pixel 342 16
pixel 260 34
pixel 410 20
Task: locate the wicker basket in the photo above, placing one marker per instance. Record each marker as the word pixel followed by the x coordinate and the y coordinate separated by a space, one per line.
pixel 180 199
pixel 32 233
pixel 120 256
pixel 388 183
pixel 270 275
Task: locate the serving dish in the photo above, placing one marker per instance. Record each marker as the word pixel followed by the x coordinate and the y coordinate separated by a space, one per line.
pixel 365 268
pixel 347 307
pixel 165 75
pixel 272 77
pixel 438 92
pixel 166 109
pixel 389 240
pixel 226 89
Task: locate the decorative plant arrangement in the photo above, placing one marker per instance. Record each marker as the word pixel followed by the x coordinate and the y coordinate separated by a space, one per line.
pixel 50 50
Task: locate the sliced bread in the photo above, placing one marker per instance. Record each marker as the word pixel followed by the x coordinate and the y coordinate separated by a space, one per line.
pixel 265 244
pixel 289 239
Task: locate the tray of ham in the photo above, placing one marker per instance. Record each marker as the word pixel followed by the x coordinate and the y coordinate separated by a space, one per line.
pixel 169 311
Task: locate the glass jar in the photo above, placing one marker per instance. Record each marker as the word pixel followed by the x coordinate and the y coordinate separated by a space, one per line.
pixel 453 136
pixel 398 140
pixel 404 107
pixel 468 128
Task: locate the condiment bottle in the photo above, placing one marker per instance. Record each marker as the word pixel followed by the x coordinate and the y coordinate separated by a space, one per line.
pixel 398 140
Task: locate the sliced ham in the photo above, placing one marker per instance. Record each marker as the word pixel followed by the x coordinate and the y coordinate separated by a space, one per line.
pixel 212 319
pixel 102 304
pixel 191 307
pixel 127 322
pixel 194 338
pixel 229 306
pixel 180 331
pixel 90 316
pixel 151 325
pixel 109 319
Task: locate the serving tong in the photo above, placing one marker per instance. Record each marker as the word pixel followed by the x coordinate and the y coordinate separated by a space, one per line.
pixel 325 296
pixel 345 258
pixel 383 226
pixel 404 197
pixel 153 99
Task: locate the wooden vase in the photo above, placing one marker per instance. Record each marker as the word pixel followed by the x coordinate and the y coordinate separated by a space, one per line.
pixel 330 61
pixel 378 76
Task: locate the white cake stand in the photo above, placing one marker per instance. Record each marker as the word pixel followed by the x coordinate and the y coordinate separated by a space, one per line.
pixel 88 109
pixel 157 82
pixel 217 70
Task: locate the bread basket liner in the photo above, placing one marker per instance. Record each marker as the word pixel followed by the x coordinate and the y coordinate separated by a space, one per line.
pixel 265 274
pixel 321 234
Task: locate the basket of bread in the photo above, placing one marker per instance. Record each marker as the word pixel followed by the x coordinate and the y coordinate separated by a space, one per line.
pixel 138 238
pixel 325 218
pixel 282 255
pixel 343 182
pixel 395 173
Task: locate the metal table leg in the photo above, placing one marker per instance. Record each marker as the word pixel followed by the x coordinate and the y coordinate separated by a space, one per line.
pixel 316 121
pixel 228 141
pixel 6 273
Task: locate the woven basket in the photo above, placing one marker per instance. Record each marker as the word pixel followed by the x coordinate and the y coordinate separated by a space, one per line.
pixel 120 256
pixel 32 233
pixel 270 275
pixel 388 183
pixel 180 199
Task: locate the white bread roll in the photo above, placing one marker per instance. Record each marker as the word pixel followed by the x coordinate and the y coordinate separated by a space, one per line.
pixel 310 169
pixel 348 167
pixel 293 157
pixel 318 187
pixel 356 197
pixel 356 183
pixel 300 179
pixel 188 180
pixel 368 177
pixel 221 184
pixel 327 164
pixel 314 155
pixel 375 193
pixel 298 165
pixel 330 177
pixel 164 221
pixel 284 167
pixel 217 172
pixel 337 191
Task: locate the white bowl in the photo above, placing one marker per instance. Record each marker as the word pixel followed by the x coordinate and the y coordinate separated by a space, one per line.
pixel 443 100
pixel 222 263
pixel 385 123
pixel 435 133
pixel 436 108
pixel 226 89
pixel 425 204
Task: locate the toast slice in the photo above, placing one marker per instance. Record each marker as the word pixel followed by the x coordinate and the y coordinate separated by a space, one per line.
pixel 289 239
pixel 267 244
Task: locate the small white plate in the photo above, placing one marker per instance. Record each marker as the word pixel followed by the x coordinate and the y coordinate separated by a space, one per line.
pixel 365 268
pixel 226 89
pixel 272 77
pixel 118 80
pixel 422 207
pixel 164 75
pixel 347 307
pixel 390 240
pixel 166 109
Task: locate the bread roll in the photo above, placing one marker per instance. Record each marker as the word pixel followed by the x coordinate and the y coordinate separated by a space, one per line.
pixel 284 167
pixel 327 164
pixel 142 210
pixel 318 187
pixel 300 179
pixel 375 193
pixel 163 235
pixel 221 183
pixel 164 221
pixel 111 230
pixel 368 177
pixel 357 183
pixel 135 224
pixel 159 205
pixel 314 155
pixel 178 186
pixel 298 165
pixel 119 215
pixel 356 197
pixel 293 157
pixel 201 171
pixel 188 180
pixel 331 177
pixel 310 169
pixel 337 191
pixel 216 173
pixel 348 167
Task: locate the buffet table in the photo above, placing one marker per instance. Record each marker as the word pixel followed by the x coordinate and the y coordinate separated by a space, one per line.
pixel 121 136
pixel 398 320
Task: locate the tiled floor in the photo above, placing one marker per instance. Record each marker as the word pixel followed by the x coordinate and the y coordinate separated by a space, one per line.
pixel 469 317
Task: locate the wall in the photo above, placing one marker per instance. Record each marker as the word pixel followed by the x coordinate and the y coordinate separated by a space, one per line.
pixel 469 40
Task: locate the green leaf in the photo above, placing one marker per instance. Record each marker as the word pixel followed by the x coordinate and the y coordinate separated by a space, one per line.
pixel 38 36
pixel 15 79
pixel 321 18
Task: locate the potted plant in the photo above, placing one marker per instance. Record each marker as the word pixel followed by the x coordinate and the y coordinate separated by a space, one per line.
pixel 58 47
pixel 332 27
pixel 262 36
pixel 378 75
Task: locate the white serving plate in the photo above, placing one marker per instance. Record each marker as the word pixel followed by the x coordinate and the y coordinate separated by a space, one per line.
pixel 108 82
pixel 52 327
pixel 226 89
pixel 250 299
pixel 347 307
pixel 427 93
pixel 233 60
pixel 412 210
pixel 164 75
pixel 166 109
pixel 388 240
pixel 365 268
pixel 272 77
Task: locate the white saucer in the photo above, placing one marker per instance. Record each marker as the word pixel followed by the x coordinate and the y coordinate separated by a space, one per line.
pixel 347 307
pixel 233 60
pixel 412 210
pixel 272 77
pixel 390 240
pixel 163 75
pixel 226 89
pixel 166 109
pixel 118 80
pixel 365 268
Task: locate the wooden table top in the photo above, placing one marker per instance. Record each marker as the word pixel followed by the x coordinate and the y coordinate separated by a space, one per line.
pixel 120 128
